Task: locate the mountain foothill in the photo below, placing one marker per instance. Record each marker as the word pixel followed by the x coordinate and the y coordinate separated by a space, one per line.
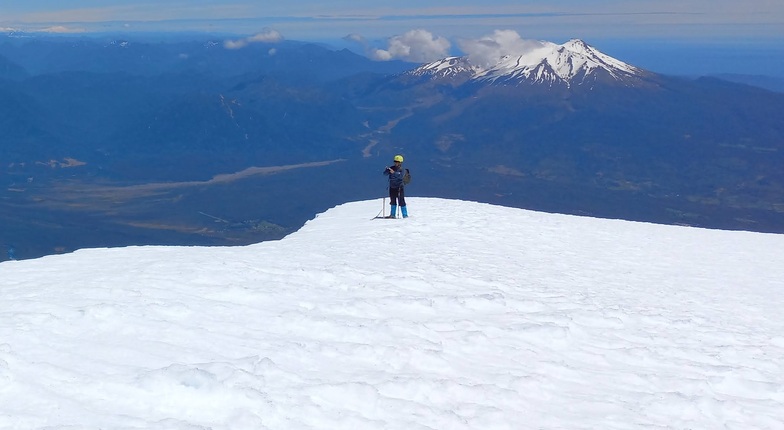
pixel 115 142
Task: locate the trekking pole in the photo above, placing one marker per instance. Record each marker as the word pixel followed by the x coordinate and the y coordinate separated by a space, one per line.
pixel 381 213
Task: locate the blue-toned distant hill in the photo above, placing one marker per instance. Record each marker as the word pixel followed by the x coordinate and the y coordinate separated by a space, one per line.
pixel 766 82
pixel 112 142
pixel 10 70
pixel 40 55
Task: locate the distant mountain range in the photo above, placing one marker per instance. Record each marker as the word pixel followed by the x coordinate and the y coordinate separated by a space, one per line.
pixel 766 82
pixel 112 142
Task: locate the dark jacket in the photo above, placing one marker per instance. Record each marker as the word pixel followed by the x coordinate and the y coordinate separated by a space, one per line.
pixel 395 178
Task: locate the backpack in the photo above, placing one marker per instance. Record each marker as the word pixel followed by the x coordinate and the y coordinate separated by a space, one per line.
pixel 407 178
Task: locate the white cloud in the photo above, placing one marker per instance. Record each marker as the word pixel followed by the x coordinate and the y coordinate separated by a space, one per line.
pixel 266 36
pixel 415 45
pixel 487 50
pixel 380 55
pixel 61 29
pixel 356 38
pixel 235 44
pixel 360 40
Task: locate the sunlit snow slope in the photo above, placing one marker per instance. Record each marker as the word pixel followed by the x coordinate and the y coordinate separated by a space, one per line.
pixel 463 316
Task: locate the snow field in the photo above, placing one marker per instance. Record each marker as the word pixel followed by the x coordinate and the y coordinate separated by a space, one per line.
pixel 463 316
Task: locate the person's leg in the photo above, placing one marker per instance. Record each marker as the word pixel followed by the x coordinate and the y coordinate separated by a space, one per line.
pixel 401 198
pixel 393 192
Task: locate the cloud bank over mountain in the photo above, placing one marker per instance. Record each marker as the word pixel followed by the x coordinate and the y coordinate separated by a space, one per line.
pixel 414 46
pixel 487 50
pixel 423 46
pixel 266 36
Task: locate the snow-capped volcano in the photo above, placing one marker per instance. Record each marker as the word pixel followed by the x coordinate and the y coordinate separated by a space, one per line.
pixel 572 63
pixel 448 68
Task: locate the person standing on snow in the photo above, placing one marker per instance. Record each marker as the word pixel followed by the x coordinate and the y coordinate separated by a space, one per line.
pixel 398 178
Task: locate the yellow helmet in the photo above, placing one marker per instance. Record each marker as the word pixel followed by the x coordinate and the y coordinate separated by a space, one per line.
pixel 398 158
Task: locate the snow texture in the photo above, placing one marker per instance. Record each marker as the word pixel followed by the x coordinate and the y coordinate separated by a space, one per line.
pixel 572 63
pixel 450 67
pixel 463 316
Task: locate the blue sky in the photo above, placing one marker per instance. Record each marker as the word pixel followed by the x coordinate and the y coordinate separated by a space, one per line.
pixel 436 24
pixel 309 19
